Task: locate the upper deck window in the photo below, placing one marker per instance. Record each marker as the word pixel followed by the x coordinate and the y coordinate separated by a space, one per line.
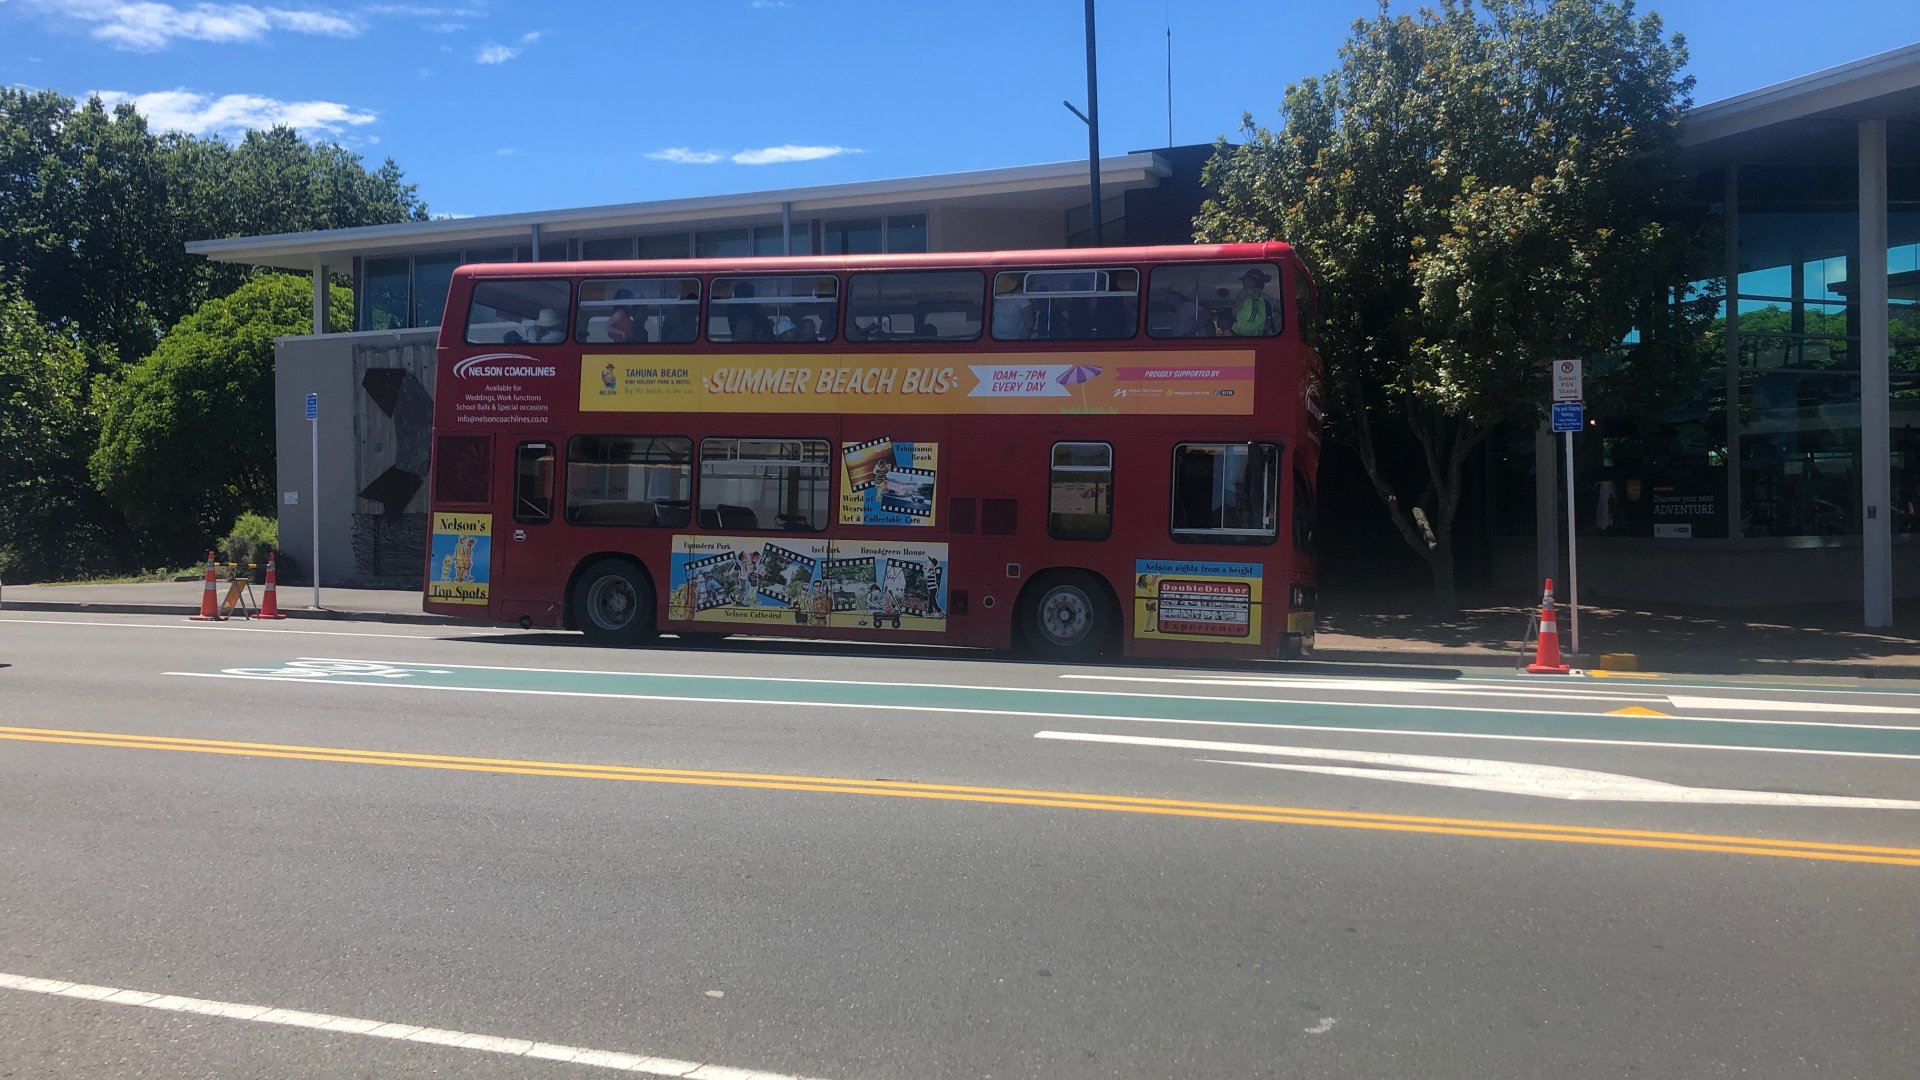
pixel 1236 300
pixel 1065 305
pixel 926 305
pixel 770 310
pixel 532 312
pixel 638 311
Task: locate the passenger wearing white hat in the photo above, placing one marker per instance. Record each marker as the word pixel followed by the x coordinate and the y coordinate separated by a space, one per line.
pixel 548 328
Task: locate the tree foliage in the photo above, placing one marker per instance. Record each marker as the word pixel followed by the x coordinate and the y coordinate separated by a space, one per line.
pixel 187 434
pixel 50 517
pixel 1478 188
pixel 96 210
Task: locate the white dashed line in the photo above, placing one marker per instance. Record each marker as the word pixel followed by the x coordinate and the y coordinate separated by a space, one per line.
pixel 348 1025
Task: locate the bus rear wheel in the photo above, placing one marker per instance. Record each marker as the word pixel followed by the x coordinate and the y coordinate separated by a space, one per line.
pixel 613 603
pixel 1068 616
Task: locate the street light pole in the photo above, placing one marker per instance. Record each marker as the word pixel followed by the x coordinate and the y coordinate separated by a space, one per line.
pixel 1093 129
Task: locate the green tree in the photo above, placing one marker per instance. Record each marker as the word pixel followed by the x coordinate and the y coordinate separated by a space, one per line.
pixel 96 210
pixel 187 434
pixel 51 520
pixel 1478 189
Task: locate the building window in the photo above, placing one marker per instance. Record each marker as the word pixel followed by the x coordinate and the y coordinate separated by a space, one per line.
pixel 533 483
pixel 1065 305
pixel 629 480
pixel 432 274
pixel 615 247
pixel 722 244
pixel 490 255
pixel 532 312
pixel 1080 491
pixel 862 236
pixel 765 310
pixel 764 484
pixel 923 305
pixel 1214 301
pixel 670 246
pixel 461 467
pixel 906 233
pixel 384 294
pixel 638 311
pixel 1225 493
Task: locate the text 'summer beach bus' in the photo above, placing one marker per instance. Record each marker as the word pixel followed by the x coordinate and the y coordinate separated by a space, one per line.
pixel 1072 450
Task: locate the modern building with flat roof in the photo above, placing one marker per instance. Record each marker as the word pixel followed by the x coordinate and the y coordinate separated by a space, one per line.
pixel 1792 474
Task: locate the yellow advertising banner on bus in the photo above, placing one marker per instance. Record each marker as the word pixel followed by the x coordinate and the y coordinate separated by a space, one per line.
pixel 1189 382
pixel 460 559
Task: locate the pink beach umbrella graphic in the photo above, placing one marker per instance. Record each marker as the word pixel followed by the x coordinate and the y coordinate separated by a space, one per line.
pixel 1079 375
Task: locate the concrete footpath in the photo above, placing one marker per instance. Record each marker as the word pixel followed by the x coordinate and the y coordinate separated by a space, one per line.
pixel 1384 628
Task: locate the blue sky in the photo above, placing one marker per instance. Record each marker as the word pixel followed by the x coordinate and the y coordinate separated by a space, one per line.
pixel 493 106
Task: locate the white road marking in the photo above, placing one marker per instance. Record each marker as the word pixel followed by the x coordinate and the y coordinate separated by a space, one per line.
pixel 1030 714
pixel 346 1025
pixel 440 633
pixel 1475 774
pixel 1682 701
pixel 1325 1025
pixel 1394 686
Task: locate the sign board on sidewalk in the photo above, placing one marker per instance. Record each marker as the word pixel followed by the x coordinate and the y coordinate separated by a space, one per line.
pixel 1569 416
pixel 313 406
pixel 1566 381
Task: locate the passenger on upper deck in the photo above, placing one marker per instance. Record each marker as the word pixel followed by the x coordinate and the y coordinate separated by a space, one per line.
pixel 1253 313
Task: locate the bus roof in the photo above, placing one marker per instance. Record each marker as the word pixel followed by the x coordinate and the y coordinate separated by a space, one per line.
pixel 937 260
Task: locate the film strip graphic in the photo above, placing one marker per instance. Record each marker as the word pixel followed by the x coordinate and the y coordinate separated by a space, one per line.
pixel 712 570
pixel 868 463
pixel 848 581
pixel 773 588
pixel 913 485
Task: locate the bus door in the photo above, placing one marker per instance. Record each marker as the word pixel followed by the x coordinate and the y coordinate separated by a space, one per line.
pixel 890 563
pixel 527 570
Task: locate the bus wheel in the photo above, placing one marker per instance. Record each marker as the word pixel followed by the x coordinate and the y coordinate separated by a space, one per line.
pixel 1068 618
pixel 613 603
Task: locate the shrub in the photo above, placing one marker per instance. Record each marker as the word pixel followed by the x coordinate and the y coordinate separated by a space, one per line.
pixel 252 537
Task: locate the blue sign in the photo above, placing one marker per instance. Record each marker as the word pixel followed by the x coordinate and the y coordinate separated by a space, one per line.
pixel 313 407
pixel 1569 416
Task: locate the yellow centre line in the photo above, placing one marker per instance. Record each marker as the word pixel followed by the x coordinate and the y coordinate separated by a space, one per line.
pixel 1067 800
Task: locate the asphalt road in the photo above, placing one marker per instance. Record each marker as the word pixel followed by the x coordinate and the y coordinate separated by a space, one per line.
pixel 836 862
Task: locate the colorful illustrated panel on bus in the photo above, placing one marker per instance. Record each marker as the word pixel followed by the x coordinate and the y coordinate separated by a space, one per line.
pixel 1197 601
pixel 899 488
pixel 1157 382
pixel 460 559
pixel 746 579
pixel 887 585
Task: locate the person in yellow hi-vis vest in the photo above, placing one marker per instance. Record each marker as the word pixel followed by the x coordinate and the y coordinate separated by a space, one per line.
pixel 1253 313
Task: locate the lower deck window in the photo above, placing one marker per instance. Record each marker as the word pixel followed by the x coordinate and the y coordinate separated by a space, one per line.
pixel 629 480
pixel 1080 491
pixel 764 484
pixel 1225 493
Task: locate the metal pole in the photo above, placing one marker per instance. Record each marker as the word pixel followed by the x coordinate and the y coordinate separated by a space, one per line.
pixel 1093 130
pixel 1573 563
pixel 1876 454
pixel 314 508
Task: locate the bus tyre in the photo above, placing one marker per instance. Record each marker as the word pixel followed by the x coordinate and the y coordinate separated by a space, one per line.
pixel 613 603
pixel 1068 616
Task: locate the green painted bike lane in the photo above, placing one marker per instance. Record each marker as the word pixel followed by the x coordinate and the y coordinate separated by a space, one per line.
pixel 1507 721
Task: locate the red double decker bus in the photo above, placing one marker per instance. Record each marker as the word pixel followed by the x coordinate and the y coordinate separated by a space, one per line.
pixel 1076 451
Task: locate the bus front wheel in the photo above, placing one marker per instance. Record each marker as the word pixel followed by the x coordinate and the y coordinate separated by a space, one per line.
pixel 1069 616
pixel 613 603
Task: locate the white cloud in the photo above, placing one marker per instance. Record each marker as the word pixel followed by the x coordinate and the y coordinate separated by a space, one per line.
pixel 232 114
pixel 500 54
pixel 681 155
pixel 148 26
pixel 505 151
pixel 780 155
pixel 763 5
pixel 416 11
pixel 445 27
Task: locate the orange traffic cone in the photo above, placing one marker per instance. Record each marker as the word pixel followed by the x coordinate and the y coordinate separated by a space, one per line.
pixel 209 598
pixel 270 603
pixel 1546 655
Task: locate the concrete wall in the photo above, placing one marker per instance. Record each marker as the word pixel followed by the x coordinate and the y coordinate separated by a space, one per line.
pixel 366 426
pixel 1713 573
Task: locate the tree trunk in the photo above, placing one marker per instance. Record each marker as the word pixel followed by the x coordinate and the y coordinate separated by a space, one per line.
pixel 1446 596
pixel 1444 446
